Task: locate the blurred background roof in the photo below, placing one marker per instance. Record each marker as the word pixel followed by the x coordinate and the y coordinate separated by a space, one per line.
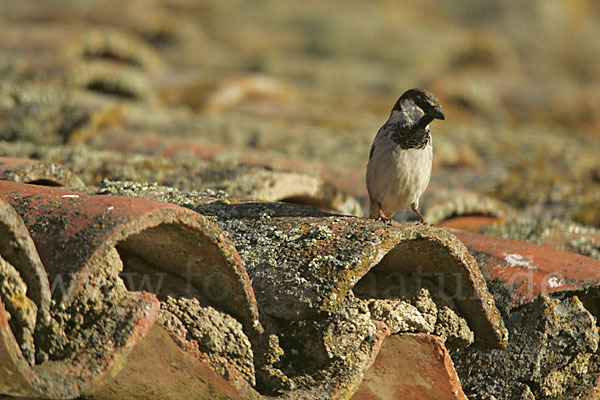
pixel 313 81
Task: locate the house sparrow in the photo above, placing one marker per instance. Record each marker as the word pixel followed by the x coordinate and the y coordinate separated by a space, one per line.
pixel 399 165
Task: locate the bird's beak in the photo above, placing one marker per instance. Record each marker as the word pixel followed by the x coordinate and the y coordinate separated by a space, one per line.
pixel 437 113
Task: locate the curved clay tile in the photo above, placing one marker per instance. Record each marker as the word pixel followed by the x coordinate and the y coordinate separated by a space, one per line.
pixel 313 273
pixel 238 180
pixel 93 225
pixel 348 180
pixel 405 360
pixel 17 248
pixel 445 207
pixel 526 270
pixel 70 42
pixel 80 239
pixel 233 91
pixel 37 172
pixel 291 187
pixel 25 292
pixel 303 263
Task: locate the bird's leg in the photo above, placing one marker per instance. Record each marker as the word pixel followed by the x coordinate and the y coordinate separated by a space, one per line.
pixel 383 218
pixel 377 213
pixel 374 208
pixel 421 217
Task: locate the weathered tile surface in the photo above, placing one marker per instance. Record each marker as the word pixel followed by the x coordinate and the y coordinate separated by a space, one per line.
pixel 411 367
pixel 87 321
pixel 265 100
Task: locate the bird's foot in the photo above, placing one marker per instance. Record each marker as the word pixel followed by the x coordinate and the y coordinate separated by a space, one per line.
pixel 383 218
pixel 377 214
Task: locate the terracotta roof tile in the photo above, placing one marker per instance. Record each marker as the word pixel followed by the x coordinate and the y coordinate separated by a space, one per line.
pixel 37 172
pixel 309 260
pixel 526 270
pixel 75 235
pixel 411 367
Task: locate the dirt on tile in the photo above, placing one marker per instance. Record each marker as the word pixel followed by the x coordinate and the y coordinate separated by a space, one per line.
pixel 415 306
pixel 74 323
pixel 302 359
pixel 217 334
pixel 552 354
pixel 22 311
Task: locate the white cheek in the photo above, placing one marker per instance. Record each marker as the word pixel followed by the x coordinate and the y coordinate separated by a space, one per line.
pixel 412 112
pixel 396 116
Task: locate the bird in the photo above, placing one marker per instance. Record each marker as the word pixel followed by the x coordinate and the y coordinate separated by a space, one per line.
pixel 401 156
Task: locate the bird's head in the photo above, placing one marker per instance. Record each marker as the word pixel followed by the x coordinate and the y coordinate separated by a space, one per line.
pixel 419 106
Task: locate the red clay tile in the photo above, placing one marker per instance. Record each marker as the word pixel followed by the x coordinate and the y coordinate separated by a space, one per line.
pixel 73 233
pixel 157 365
pixel 528 270
pixel 411 367
pixel 346 250
pixel 435 254
pixel 17 248
pixel 468 222
pixel 233 91
pixel 70 378
pixel 37 172
pixel 347 179
pixel 561 239
pixel 89 225
pixel 64 378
